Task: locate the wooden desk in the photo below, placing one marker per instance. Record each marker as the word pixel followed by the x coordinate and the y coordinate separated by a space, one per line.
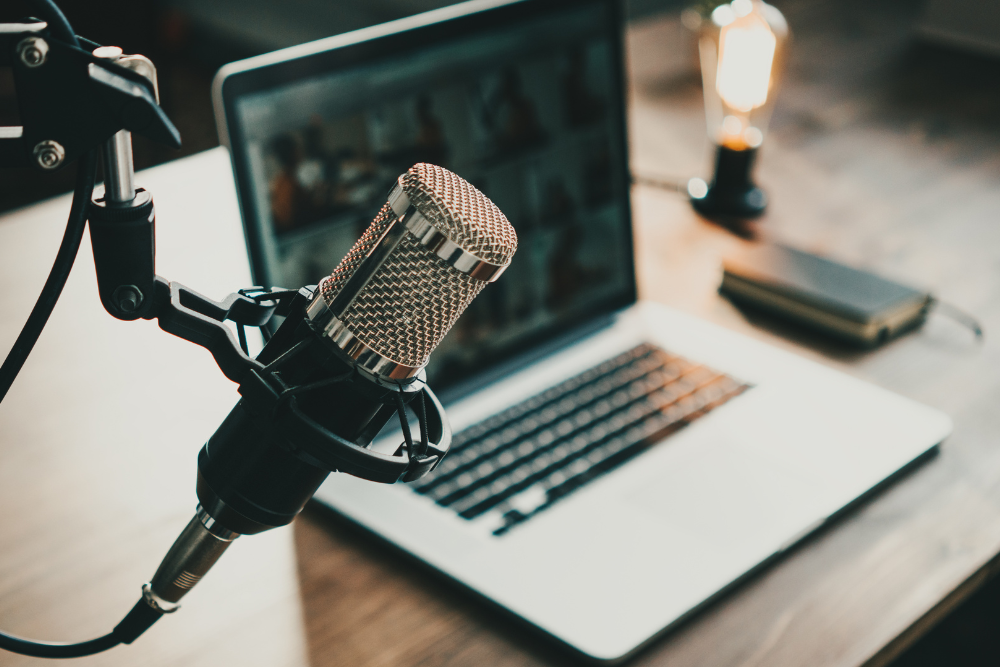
pixel 98 443
pixel 867 161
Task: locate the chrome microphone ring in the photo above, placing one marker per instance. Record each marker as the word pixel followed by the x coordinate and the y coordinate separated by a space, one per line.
pixel 330 326
pixel 156 602
pixel 438 242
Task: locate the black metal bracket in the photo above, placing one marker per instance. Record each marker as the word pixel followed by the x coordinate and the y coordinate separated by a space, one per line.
pixel 264 394
pixel 71 101
pixel 189 315
pixel 124 244
pixel 200 320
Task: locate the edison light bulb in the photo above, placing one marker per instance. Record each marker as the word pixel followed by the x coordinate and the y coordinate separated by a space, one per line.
pixel 746 52
pixel 741 48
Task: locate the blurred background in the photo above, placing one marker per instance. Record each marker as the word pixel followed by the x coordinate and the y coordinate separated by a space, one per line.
pixel 951 43
pixel 188 41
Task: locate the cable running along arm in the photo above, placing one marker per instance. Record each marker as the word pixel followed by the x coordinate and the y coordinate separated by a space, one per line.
pixel 70 245
pixel 54 284
pixel 142 615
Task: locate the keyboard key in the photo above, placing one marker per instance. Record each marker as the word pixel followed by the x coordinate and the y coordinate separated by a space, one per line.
pixel 507 468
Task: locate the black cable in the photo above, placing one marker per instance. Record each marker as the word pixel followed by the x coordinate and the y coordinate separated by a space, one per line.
pixel 58 25
pixel 676 185
pixel 54 284
pixel 53 650
pixel 950 310
pixel 142 616
pixel 70 246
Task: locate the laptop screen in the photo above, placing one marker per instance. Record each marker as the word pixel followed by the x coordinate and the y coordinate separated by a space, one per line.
pixel 529 112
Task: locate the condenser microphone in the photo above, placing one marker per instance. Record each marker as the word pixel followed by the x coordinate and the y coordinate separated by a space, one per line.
pixel 435 244
pixel 348 358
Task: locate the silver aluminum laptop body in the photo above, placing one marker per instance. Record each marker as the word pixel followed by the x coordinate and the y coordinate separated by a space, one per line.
pixel 614 564
pixel 524 99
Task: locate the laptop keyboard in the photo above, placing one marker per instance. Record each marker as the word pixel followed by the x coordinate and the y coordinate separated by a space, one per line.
pixel 508 468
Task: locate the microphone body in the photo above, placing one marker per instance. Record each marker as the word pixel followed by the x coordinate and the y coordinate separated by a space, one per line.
pixel 253 474
pixel 348 357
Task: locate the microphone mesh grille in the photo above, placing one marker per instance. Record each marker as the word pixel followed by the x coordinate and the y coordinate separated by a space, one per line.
pixel 410 304
pixel 332 285
pixel 415 297
pixel 461 211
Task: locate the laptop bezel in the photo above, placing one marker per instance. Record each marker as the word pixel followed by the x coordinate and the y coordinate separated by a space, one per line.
pixel 396 38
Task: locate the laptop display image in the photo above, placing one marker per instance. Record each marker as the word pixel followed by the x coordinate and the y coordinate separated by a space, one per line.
pixel 532 117
pixel 616 465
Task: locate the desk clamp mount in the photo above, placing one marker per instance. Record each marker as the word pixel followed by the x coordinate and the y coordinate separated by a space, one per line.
pixel 73 98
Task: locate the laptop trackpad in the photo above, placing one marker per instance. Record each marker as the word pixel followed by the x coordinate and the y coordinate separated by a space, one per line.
pixel 729 497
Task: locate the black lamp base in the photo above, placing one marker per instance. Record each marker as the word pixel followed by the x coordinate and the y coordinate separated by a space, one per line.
pixel 732 194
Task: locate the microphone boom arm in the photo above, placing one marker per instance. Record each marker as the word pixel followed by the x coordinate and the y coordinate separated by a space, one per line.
pixel 111 95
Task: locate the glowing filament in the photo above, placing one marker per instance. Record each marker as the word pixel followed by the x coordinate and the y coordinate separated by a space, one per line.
pixel 746 52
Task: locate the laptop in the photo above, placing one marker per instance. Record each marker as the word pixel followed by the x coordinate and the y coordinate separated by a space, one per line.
pixel 616 465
